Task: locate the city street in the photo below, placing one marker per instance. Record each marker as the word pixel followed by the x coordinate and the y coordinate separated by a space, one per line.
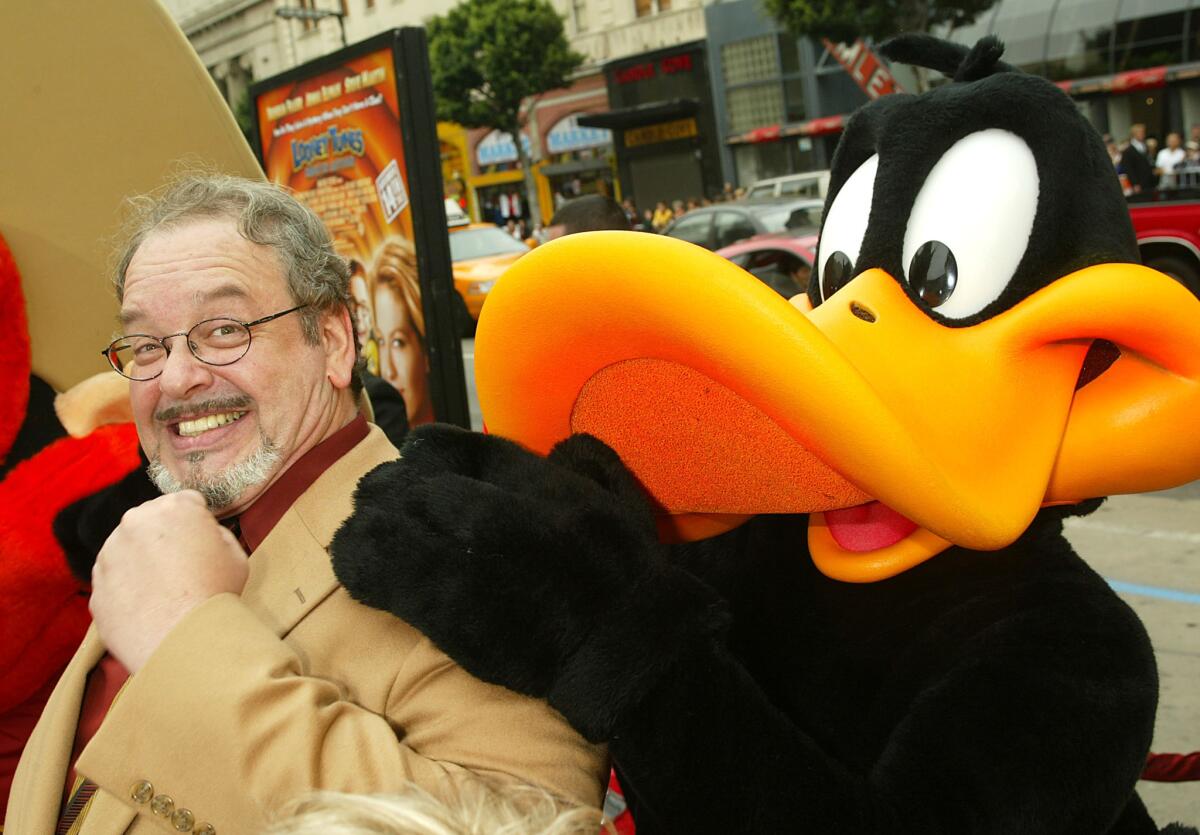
pixel 1148 547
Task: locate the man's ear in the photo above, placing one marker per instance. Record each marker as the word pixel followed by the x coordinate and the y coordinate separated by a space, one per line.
pixel 337 338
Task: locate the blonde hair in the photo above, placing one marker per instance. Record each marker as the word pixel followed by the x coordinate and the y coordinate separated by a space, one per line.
pixel 395 267
pixel 473 807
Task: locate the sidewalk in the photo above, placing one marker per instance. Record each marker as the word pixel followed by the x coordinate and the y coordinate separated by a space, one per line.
pixel 1148 547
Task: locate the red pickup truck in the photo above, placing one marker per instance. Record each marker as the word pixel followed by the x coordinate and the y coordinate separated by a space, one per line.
pixel 1167 225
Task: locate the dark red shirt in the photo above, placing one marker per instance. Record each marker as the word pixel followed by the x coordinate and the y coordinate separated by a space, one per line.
pixel 255 523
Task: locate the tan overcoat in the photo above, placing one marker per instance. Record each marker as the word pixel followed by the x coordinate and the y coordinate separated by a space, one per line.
pixel 254 699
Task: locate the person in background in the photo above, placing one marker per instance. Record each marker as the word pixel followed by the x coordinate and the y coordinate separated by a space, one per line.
pixel 647 224
pixel 1168 160
pixel 661 217
pixel 1188 172
pixel 1114 154
pixel 400 321
pixel 590 213
pixel 1136 163
pixel 470 808
pixel 678 210
pixel 227 671
pixel 631 212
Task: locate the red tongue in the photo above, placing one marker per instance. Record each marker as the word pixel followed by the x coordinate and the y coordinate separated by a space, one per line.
pixel 867 527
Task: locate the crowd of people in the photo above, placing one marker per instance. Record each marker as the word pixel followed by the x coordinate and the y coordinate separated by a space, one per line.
pixel 658 218
pixel 1144 166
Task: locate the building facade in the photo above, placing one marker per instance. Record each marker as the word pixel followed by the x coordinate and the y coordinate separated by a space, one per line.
pixel 780 101
pixel 243 41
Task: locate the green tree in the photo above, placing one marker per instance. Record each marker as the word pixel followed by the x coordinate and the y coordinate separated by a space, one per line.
pixel 243 113
pixel 489 56
pixel 844 21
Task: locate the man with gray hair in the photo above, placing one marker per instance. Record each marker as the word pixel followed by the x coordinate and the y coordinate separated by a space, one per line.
pixel 227 670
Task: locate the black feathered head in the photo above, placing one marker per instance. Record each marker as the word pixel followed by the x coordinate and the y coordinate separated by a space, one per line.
pixel 973 195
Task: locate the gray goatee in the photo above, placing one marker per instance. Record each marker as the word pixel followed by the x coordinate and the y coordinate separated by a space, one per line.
pixel 221 489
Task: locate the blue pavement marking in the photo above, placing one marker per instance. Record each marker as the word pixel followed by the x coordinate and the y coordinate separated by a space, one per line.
pixel 1154 591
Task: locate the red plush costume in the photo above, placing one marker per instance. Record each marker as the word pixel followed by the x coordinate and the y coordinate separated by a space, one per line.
pixel 43 606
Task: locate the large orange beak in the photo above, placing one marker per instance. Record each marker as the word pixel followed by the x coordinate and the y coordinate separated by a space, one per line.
pixel 726 401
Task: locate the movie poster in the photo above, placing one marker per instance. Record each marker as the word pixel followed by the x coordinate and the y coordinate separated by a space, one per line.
pixel 332 132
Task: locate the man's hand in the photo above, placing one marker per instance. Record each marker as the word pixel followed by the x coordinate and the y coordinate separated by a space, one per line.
pixel 166 557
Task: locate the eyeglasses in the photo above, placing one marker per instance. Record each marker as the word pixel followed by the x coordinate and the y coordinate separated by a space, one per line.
pixel 222 341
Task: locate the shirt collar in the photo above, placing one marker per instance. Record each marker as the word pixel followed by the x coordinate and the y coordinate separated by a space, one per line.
pixel 256 521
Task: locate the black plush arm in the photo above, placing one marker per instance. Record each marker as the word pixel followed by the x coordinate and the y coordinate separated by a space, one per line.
pixel 83 526
pixel 541 574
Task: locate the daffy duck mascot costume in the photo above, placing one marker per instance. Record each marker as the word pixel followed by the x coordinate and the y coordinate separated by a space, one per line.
pixel 870 621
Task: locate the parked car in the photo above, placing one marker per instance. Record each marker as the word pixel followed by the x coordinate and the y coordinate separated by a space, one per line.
pixel 714 227
pixel 480 253
pixel 782 262
pixel 1167 225
pixel 808 184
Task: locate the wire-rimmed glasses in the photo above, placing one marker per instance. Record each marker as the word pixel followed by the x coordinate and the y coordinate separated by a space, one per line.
pixel 220 341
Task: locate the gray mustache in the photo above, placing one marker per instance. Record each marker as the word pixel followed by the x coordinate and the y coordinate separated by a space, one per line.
pixel 217 404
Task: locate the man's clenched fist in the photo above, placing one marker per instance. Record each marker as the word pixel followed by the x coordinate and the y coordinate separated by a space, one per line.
pixel 166 557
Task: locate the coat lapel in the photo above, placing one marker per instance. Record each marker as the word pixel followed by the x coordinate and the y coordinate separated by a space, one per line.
pixel 290 571
pixel 42 775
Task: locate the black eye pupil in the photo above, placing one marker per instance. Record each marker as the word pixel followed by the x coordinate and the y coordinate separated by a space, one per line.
pixel 933 272
pixel 837 273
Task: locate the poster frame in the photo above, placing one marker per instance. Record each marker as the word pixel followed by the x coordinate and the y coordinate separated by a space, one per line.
pixel 418 134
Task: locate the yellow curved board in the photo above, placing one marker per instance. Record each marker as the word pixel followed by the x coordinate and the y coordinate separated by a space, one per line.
pixel 99 101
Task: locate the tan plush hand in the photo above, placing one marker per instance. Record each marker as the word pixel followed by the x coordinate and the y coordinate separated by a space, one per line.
pixel 166 557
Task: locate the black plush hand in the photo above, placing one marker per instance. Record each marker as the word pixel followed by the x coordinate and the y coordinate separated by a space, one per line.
pixel 82 527
pixel 541 574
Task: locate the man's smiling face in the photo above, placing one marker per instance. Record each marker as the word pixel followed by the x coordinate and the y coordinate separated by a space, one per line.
pixel 228 431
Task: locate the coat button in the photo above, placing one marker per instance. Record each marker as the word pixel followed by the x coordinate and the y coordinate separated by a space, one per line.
pixel 141 791
pixel 162 805
pixel 204 829
pixel 182 820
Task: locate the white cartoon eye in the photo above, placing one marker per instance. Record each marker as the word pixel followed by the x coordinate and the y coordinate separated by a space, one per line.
pixel 845 226
pixel 971 222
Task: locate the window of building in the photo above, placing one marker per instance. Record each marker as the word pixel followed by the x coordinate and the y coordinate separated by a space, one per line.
pixel 370 4
pixel 793 97
pixel 308 24
pixel 1078 43
pixel 649 7
pixel 789 54
pixel 755 106
pixel 1148 42
pixel 1022 25
pixel 752 59
pixel 579 15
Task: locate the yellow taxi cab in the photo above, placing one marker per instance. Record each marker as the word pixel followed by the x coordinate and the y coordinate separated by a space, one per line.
pixel 480 253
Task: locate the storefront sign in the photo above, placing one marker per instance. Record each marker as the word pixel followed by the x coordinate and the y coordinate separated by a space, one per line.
pixel 680 62
pixel 497 148
pixel 864 67
pixel 664 132
pixel 567 135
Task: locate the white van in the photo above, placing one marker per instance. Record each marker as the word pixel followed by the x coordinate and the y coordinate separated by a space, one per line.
pixel 808 184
